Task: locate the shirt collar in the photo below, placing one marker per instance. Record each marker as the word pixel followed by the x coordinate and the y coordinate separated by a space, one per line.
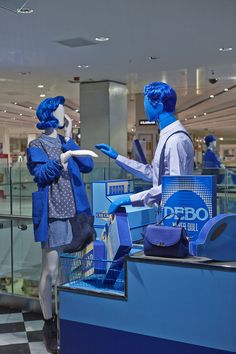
pixel 171 128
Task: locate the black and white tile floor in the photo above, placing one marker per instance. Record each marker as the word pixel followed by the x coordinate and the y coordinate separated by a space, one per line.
pixel 21 332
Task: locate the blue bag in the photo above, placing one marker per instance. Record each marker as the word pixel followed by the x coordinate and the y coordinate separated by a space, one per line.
pixel 166 241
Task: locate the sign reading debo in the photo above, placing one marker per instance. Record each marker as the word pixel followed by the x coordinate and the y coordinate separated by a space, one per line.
pixel 193 198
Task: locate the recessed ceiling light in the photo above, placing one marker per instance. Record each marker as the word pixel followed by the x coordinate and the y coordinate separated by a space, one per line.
pixel 79 121
pixel 40 86
pixel 83 66
pixel 212 96
pixel 5 111
pixel 226 89
pixel 221 138
pixel 194 116
pixel 222 49
pixel 20 114
pixel 42 95
pixel 30 107
pixel 77 110
pixel 204 114
pixel 25 11
pixel 75 125
pixel 186 119
pixel 153 58
pixel 15 102
pixel 102 39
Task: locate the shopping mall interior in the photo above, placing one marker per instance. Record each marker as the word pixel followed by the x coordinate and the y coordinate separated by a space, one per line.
pixel 99 55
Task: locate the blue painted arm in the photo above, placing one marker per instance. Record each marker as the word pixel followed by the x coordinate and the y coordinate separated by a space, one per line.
pixel 43 171
pixel 125 200
pixel 107 150
pixel 85 163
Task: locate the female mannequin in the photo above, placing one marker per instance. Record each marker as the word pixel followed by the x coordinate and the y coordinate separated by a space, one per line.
pixel 211 160
pixel 55 162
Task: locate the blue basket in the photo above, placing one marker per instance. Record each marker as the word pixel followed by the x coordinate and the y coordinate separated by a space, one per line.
pixel 88 274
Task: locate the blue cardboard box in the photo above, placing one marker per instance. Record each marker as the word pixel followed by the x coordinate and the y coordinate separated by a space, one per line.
pixel 193 198
pixel 93 259
pixel 118 243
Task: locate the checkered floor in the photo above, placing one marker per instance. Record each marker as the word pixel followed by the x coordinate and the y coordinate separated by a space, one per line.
pixel 21 332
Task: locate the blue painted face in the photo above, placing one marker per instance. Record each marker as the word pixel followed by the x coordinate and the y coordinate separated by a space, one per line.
pixel 152 112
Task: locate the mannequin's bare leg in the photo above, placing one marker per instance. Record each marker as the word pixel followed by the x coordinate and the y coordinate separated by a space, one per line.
pixel 50 259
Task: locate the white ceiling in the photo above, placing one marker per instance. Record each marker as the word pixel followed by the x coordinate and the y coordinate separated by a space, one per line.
pixel 184 34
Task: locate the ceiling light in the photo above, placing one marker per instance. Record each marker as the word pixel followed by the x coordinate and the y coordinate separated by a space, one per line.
pixel 226 89
pixel 42 95
pixel 20 114
pixel 222 49
pixel 186 119
pixel 75 125
pixel 83 66
pixel 153 58
pixel 5 111
pixel 77 110
pixel 15 102
pixel 194 116
pixel 79 121
pixel 25 11
pixel 40 86
pixel 204 114
pixel 221 138
pixel 30 107
pixel 102 39
pixel 13 118
pixel 212 96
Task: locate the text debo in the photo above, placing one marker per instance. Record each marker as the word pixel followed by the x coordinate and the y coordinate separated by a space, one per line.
pixel 187 213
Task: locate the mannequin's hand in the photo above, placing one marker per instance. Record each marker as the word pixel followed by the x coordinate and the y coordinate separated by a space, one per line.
pixel 107 150
pixel 117 203
pixel 68 126
pixel 66 155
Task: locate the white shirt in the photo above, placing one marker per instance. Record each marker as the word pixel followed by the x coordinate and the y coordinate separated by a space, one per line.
pixel 178 160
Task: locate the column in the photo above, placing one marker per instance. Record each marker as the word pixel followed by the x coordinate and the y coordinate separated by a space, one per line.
pixel 103 116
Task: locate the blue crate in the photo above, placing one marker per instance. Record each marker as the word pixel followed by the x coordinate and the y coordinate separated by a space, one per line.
pixel 76 274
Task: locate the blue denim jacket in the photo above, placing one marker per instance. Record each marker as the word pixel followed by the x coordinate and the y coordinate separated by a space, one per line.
pixel 44 172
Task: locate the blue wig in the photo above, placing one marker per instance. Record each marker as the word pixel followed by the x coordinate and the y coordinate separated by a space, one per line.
pixel 45 111
pixel 160 92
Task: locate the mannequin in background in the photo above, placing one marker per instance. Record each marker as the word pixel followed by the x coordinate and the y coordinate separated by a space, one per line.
pixel 55 162
pixel 175 159
pixel 211 160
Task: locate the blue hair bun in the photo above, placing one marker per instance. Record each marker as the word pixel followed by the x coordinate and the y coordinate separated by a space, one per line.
pixel 45 110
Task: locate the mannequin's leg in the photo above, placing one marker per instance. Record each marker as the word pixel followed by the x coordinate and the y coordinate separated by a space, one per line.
pixel 49 267
pixel 50 259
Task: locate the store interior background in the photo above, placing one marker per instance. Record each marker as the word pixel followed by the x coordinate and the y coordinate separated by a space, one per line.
pixel 187 44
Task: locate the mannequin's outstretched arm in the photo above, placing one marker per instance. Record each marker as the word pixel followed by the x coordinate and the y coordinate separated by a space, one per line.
pixel 138 169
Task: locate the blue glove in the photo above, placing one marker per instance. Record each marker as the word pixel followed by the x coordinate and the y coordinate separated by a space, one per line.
pixel 107 150
pixel 117 203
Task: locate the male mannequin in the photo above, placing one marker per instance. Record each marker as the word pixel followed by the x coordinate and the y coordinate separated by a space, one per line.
pixel 55 162
pixel 211 160
pixel 159 103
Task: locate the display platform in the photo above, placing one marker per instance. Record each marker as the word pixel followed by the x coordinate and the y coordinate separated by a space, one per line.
pixel 168 306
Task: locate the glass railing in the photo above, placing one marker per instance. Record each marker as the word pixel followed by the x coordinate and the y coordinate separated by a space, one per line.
pixel 20 256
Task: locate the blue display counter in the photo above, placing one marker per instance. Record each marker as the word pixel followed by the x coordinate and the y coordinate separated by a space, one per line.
pixel 168 306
